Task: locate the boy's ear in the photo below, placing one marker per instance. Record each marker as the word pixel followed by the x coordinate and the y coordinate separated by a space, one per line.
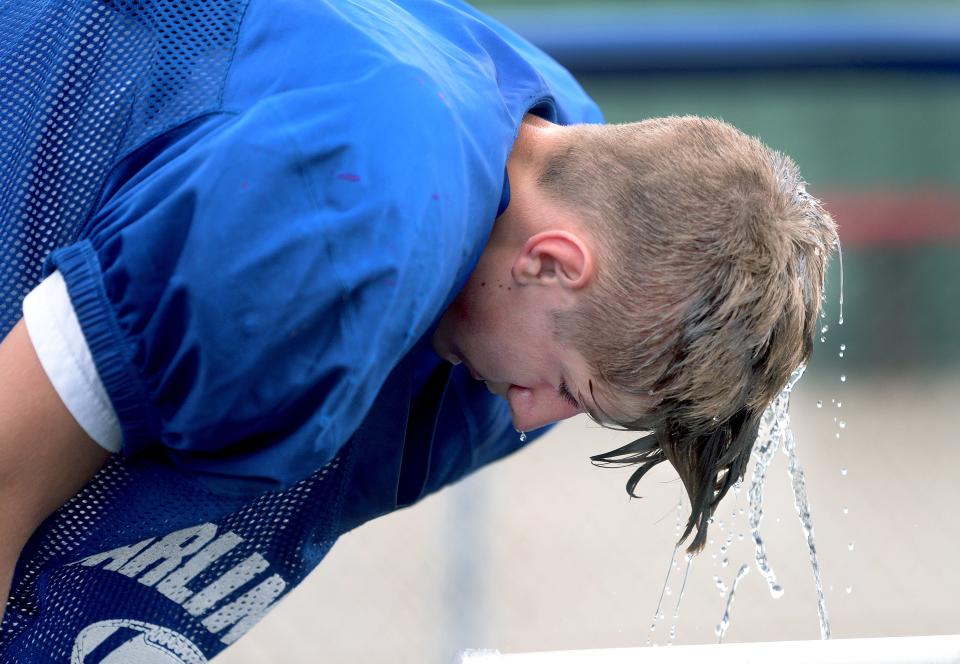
pixel 554 257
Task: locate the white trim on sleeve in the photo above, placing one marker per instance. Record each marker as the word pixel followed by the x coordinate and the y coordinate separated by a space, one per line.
pixel 59 343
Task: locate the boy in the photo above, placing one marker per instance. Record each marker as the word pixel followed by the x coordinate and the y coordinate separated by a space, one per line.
pixel 292 266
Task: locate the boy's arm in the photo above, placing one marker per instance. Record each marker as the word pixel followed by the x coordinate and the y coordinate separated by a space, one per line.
pixel 45 456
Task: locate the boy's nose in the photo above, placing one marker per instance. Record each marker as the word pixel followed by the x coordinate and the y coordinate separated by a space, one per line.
pixel 535 408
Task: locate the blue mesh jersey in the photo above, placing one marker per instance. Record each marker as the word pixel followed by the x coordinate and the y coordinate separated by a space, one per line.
pixel 260 210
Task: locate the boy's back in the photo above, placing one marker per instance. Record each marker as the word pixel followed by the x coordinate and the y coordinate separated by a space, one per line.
pixel 161 148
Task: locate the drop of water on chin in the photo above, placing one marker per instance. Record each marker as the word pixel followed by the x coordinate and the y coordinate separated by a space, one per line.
pixel 523 436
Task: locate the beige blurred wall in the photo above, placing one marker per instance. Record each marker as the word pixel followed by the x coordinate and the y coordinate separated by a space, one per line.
pixel 544 552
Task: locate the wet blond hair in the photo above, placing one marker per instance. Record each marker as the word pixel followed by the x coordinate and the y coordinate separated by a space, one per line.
pixel 707 293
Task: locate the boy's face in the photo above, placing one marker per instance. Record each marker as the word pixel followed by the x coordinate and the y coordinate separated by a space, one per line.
pixel 507 341
pixel 538 261
pixel 501 324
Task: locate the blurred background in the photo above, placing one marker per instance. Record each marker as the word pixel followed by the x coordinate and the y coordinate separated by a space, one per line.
pixel 542 551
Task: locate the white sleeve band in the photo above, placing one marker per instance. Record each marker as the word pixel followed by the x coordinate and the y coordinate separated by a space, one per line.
pixel 59 343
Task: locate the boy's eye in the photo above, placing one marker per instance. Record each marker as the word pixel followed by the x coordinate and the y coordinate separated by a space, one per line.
pixel 565 393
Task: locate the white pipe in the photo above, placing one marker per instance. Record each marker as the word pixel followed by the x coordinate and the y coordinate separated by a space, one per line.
pixel 898 650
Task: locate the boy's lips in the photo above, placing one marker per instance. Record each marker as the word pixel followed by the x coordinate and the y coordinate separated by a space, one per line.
pixel 498 389
pixel 473 372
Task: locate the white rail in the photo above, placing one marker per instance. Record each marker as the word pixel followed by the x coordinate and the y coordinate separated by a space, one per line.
pixel 898 650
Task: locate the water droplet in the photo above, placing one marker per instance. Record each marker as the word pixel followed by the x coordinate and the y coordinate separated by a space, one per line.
pixel 776 591
pixel 849 589
pixel 843 346
pixel 840 322
pixel 850 546
pixel 837 435
pixel 823 330
pixel 523 436
pixel 725 562
pixel 740 537
pixel 667 591
pixel 846 510
pixel 843 424
pixel 843 378
pixel 839 404
pixel 840 353
pixel 843 471
pixel 823 340
pixel 819 403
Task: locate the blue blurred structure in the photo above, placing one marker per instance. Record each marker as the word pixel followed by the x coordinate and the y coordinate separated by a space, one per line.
pixel 630 39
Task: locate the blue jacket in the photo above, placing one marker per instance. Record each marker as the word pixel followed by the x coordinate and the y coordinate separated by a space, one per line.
pixel 260 210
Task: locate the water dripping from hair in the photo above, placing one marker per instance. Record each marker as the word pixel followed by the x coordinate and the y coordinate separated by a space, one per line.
pixel 840 257
pixel 775 433
pixel 721 629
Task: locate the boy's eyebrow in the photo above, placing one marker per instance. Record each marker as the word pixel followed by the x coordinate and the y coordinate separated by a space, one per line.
pixel 565 392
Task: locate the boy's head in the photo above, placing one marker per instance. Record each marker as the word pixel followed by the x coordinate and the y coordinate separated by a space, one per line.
pixel 669 272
